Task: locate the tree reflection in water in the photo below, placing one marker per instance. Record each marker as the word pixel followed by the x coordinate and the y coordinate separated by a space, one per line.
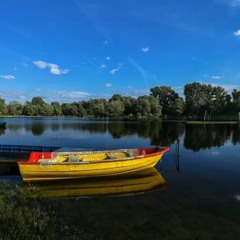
pixel 203 136
pixel 194 136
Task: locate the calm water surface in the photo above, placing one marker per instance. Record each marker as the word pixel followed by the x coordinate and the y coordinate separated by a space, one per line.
pixel 201 199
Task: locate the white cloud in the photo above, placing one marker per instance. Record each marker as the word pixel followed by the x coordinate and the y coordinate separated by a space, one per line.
pixel 137 92
pixel 234 3
pixel 54 68
pixel 217 77
pixel 40 64
pixel 227 87
pixel 108 85
pixel 103 66
pixel 146 49
pixel 13 96
pixel 114 70
pixel 7 77
pixel 73 94
pixel 237 33
pixel 108 58
pixel 179 90
pixel 231 3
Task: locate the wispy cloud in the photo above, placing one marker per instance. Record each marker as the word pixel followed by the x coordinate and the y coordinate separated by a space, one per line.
pixel 179 90
pixel 103 66
pixel 108 85
pixel 62 96
pixel 237 33
pixel 145 75
pixel 114 70
pixel 145 50
pixel 227 87
pixel 137 92
pixel 217 77
pixel 73 94
pixel 93 14
pixel 54 68
pixel 105 43
pixel 108 58
pixel 7 77
pixel 13 96
pixel 231 3
pixel 234 3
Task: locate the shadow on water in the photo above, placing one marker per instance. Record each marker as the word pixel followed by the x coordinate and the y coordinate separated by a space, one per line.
pixel 140 182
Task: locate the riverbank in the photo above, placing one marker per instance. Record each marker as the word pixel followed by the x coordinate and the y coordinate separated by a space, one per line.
pixel 201 122
pixel 130 120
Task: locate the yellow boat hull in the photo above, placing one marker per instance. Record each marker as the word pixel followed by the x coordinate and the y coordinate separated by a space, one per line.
pixel 62 170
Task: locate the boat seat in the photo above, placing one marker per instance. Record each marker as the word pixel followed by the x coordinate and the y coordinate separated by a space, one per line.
pixel 72 159
pixel 42 160
pixel 110 155
pixel 132 152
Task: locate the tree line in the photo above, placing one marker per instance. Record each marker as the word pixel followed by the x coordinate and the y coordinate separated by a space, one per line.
pixel 200 101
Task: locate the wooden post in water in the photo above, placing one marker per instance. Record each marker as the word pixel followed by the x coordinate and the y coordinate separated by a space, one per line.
pixel 177 155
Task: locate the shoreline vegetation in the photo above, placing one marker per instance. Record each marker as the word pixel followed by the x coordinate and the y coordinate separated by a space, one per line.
pixel 200 103
pixel 121 119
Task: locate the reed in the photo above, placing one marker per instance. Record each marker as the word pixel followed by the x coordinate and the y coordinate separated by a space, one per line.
pixel 21 218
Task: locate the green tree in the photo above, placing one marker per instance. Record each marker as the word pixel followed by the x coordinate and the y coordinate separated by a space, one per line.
pixel 29 109
pixel 57 109
pixel 3 107
pixel 143 106
pixel 69 109
pixel 166 97
pixel 130 107
pixel 116 97
pixel 236 100
pixel 41 108
pixel 115 108
pixel 148 106
pixel 218 99
pixel 45 110
pixel 15 108
pixel 194 98
pixel 81 111
pixel 178 107
pixel 97 107
pixel 37 101
pixel 202 99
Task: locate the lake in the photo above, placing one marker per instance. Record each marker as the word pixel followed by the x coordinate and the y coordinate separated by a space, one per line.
pixel 199 197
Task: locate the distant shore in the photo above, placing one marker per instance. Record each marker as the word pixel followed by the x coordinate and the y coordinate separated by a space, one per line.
pixel 122 119
pixel 202 122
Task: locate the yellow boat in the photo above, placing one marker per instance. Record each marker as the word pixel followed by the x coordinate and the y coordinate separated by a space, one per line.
pixel 139 182
pixel 83 164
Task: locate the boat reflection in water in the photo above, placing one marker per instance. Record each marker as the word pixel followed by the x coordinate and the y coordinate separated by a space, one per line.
pixel 128 184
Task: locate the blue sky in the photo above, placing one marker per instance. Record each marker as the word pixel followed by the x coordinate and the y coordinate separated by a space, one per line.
pixel 74 50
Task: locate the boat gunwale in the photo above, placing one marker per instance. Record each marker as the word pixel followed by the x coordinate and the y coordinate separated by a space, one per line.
pixel 47 161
